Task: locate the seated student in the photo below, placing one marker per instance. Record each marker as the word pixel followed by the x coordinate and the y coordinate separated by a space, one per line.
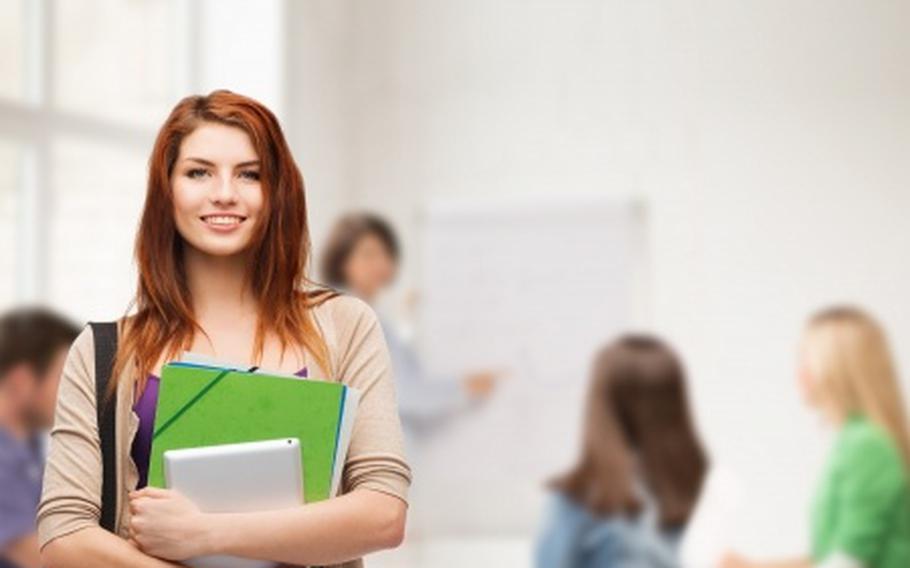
pixel 861 516
pixel 641 468
pixel 33 346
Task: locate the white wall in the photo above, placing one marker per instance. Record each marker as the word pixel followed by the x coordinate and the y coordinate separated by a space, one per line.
pixel 319 104
pixel 770 138
pixel 240 49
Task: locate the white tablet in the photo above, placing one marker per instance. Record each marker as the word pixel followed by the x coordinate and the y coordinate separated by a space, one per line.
pixel 237 478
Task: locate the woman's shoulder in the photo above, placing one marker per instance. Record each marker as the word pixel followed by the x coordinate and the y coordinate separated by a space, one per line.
pixel 563 503
pixel 564 513
pixel 608 539
pixel 865 445
pixel 344 311
pixel 82 349
pixel 78 375
pixel 566 507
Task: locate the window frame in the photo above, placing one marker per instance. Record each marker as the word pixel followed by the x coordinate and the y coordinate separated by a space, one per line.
pixel 35 122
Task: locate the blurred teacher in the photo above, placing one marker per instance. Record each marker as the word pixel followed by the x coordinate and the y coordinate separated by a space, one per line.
pixel 362 257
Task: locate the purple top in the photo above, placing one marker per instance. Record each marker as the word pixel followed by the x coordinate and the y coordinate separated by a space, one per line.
pixel 145 408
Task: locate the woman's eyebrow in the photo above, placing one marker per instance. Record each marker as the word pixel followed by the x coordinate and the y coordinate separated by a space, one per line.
pixel 200 160
pixel 212 164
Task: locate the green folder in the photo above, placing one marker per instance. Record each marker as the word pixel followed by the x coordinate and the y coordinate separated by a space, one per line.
pixel 201 405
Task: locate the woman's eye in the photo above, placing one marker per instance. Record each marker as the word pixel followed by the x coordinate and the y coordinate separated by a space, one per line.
pixel 196 173
pixel 250 175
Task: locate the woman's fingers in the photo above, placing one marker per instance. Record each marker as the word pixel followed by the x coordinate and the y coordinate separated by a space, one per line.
pixel 153 492
pixel 138 504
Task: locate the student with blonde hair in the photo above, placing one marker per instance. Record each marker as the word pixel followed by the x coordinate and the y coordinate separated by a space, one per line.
pixel 861 513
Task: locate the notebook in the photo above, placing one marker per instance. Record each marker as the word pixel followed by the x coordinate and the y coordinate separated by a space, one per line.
pixel 203 404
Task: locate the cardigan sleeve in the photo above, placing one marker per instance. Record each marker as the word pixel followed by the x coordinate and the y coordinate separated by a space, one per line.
pixel 376 458
pixel 71 494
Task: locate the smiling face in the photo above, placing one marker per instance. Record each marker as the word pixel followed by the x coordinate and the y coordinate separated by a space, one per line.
pixel 217 192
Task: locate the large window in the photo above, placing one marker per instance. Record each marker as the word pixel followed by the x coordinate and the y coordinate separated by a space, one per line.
pixel 83 85
pixel 121 61
pixel 12 49
pixel 11 158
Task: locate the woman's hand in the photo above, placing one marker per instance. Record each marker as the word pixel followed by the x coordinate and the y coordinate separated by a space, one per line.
pixel 166 524
pixel 733 560
pixel 480 385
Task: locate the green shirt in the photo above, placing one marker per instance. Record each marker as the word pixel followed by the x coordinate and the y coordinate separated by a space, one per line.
pixel 862 508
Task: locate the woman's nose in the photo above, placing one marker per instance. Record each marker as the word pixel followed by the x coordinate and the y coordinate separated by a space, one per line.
pixel 224 190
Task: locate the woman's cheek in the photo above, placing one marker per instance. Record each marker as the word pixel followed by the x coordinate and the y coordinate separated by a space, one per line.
pixel 806 386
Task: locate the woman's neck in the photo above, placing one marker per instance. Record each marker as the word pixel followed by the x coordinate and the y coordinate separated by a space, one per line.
pixel 218 288
pixel 368 296
pixel 834 416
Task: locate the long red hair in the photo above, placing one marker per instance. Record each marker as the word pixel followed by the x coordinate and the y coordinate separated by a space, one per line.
pixel 164 321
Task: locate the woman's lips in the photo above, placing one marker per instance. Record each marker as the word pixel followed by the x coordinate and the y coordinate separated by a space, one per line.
pixel 223 223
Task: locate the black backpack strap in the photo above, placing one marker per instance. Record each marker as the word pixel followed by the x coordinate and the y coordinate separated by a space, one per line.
pixel 105 348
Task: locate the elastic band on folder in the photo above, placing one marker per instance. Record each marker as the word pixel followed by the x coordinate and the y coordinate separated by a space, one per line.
pixel 202 392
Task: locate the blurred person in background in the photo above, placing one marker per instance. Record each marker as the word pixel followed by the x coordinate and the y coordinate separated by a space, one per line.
pixel 33 345
pixel 627 500
pixel 861 512
pixel 362 256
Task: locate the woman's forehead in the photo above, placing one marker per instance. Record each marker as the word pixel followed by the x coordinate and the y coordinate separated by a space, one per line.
pixel 218 144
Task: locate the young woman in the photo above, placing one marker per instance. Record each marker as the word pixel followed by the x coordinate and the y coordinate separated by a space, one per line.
pixel 861 516
pixel 222 250
pixel 641 467
pixel 361 256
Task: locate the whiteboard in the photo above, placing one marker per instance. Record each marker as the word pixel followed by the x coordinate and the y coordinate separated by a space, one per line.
pixel 536 286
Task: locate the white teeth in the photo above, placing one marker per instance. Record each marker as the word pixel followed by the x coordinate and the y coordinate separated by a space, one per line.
pixel 222 220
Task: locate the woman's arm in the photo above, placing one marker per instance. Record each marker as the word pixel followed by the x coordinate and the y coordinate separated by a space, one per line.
pixel 96 547
pixel 837 560
pixel 369 516
pixel 167 525
pixel 735 561
pixel 70 508
pixel 22 552
pixel 328 532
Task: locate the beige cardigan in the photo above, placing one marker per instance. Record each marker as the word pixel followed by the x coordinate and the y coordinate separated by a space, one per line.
pixel 71 497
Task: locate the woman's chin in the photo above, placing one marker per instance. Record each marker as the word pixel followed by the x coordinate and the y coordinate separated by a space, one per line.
pixel 221 247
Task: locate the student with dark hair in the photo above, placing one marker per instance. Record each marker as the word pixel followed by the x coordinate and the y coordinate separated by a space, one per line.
pixel 362 253
pixel 361 256
pixel 33 345
pixel 641 467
